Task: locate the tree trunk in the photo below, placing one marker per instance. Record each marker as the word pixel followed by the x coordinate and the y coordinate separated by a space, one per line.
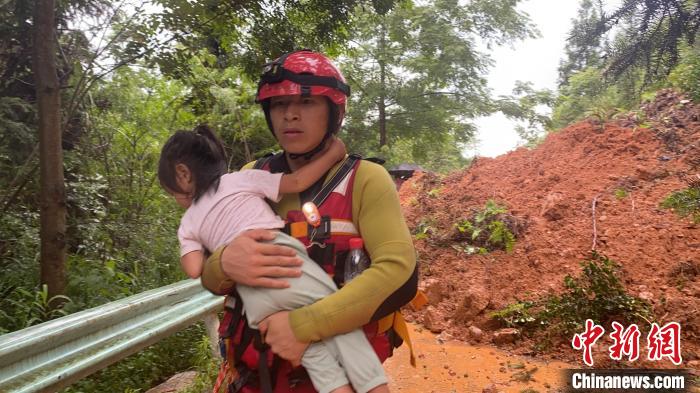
pixel 248 156
pixel 382 86
pixel 53 194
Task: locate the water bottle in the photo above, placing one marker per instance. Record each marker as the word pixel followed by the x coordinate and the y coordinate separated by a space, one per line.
pixel 357 260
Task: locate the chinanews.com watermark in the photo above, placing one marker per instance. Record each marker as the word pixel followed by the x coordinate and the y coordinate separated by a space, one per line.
pixel 662 343
pixel 626 380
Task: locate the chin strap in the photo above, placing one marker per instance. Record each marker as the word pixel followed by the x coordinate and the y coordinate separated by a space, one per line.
pixel 307 156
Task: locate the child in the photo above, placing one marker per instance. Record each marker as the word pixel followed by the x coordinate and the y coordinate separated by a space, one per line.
pixel 221 205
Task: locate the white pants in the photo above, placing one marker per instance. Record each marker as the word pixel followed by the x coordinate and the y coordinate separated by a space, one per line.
pixel 335 361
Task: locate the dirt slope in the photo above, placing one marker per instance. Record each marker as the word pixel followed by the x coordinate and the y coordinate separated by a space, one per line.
pixel 552 190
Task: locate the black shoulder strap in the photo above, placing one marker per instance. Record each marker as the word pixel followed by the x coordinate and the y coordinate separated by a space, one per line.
pixel 277 163
pixel 339 175
pixel 260 162
pixel 376 160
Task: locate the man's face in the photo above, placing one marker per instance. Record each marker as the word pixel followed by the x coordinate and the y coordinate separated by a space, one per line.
pixel 300 123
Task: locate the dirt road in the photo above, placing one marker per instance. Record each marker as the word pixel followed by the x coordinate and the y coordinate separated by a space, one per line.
pixel 454 366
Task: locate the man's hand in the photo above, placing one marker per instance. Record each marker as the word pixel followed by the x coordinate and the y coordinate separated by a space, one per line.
pixel 248 261
pixel 281 339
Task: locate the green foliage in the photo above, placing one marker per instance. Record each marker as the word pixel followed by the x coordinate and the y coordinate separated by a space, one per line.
pixel 651 48
pixel 19 266
pixel 685 203
pixel 423 230
pixel 230 109
pixel 16 116
pixel 587 94
pixel 207 367
pixel 515 314
pixel 602 114
pixel 418 79
pixel 501 236
pixel 649 38
pixel 149 367
pixel 526 105
pixel 121 225
pixel 488 228
pixel 596 294
pixel 686 75
pixel 437 157
pixel 620 193
pixel 581 51
pixel 22 308
pixel 249 32
pixel 434 193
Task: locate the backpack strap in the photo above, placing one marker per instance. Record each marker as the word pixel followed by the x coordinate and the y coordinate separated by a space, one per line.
pixel 264 371
pixel 260 162
pixel 338 177
pixel 376 160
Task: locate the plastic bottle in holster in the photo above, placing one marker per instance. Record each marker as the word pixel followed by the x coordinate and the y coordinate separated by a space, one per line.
pixel 356 261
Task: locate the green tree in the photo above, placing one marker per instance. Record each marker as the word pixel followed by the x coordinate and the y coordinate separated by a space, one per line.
pixel 526 105
pixel 585 90
pixel 603 75
pixel 686 75
pixel 121 224
pixel 37 58
pixel 93 39
pixel 52 189
pixel 249 33
pixel 651 33
pixel 581 52
pixel 225 99
pixel 417 75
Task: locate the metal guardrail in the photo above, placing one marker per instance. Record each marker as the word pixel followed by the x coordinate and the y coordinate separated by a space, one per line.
pixel 54 354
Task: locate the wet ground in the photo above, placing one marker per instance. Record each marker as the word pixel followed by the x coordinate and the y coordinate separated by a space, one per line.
pixel 454 366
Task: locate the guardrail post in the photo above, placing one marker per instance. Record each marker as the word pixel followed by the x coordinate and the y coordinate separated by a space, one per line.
pixel 211 322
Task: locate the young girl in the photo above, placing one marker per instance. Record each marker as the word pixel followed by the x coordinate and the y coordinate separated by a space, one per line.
pixel 221 205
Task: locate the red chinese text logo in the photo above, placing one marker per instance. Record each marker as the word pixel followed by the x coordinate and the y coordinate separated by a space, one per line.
pixel 662 342
pixel 625 342
pixel 586 340
pixel 665 342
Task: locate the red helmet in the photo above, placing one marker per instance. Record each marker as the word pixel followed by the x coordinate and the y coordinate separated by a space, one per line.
pixel 304 73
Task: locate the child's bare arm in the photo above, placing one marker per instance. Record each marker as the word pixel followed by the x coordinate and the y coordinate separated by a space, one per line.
pixel 192 263
pixel 309 174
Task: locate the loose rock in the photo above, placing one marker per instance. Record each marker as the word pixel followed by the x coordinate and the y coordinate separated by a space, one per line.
pixel 505 336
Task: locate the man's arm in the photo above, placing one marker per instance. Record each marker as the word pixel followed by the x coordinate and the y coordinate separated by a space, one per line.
pixel 391 277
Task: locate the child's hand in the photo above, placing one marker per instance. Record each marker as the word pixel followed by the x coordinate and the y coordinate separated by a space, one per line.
pixel 337 149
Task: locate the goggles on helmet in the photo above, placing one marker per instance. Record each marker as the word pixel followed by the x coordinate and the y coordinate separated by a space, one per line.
pixel 274 72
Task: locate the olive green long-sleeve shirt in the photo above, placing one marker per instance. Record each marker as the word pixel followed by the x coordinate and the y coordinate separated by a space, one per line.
pixel 389 283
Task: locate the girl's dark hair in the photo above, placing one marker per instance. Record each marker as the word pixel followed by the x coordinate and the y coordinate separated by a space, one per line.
pixel 201 151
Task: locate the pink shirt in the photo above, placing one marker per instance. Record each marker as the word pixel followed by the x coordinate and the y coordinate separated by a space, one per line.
pixel 238 205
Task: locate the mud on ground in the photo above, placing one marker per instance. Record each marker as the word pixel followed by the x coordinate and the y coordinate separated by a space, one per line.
pixel 554 191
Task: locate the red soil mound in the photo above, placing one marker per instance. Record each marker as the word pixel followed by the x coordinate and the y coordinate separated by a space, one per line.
pixel 553 189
